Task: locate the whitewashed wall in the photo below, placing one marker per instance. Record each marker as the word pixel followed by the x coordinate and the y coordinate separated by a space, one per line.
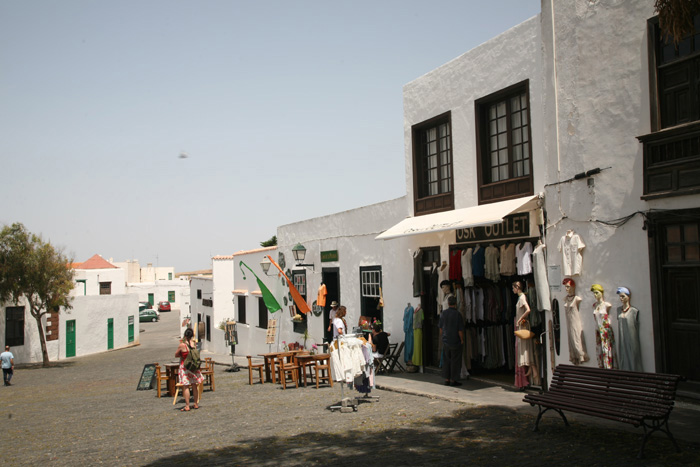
pixel 352 233
pixel 197 307
pixel 160 291
pixel 93 277
pixel 90 314
pixel 507 59
pixel 601 104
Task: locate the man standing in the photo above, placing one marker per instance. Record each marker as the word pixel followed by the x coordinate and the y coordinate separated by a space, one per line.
pixel 452 334
pixel 8 365
pixel 331 314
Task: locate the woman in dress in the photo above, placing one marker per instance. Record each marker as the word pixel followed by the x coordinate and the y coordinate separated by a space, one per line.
pixel 604 337
pixel 187 378
pixel 628 333
pixel 339 325
pixel 577 344
pixel 524 349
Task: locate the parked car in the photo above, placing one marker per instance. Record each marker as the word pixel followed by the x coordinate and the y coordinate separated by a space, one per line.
pixel 145 306
pixel 163 306
pixel 148 315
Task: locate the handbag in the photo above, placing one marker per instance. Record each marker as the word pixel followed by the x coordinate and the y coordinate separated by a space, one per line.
pixel 524 333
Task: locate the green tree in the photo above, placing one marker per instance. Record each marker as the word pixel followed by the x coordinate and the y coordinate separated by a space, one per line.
pixel 271 242
pixel 35 270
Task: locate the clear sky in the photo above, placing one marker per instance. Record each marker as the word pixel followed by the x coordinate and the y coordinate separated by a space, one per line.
pixel 288 110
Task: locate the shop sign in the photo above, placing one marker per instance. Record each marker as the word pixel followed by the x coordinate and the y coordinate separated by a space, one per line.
pixel 329 256
pixel 514 226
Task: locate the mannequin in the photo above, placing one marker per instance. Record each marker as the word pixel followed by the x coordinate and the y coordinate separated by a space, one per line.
pixel 574 330
pixel 604 338
pixel 628 333
pixel 524 348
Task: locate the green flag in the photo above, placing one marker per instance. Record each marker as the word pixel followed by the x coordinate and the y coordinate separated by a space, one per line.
pixel 270 302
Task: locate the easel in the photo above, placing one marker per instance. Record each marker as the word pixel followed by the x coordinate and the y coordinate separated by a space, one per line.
pixel 231 337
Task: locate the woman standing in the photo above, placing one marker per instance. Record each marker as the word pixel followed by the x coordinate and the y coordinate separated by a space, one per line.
pixel 604 337
pixel 524 349
pixel 187 378
pixel 628 333
pixel 339 325
pixel 577 344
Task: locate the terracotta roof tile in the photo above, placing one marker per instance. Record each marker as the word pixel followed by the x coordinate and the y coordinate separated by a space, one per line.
pixel 97 262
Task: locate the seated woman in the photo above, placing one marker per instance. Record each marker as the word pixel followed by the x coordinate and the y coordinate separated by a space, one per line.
pixel 379 341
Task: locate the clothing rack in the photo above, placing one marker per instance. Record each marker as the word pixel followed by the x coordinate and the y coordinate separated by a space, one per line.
pixel 346 404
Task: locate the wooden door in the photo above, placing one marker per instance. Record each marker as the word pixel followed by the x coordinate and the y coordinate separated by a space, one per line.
pixel 70 338
pixel 110 333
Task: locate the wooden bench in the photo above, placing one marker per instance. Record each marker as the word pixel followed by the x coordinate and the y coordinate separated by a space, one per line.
pixel 640 399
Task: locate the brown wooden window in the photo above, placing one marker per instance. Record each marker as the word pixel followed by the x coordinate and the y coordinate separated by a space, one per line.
pixel 432 165
pixel 14 326
pixel 262 313
pixel 672 151
pixel 241 309
pixel 105 288
pixel 505 154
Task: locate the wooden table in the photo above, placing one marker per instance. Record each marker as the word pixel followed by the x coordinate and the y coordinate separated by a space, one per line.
pixel 270 357
pixel 307 359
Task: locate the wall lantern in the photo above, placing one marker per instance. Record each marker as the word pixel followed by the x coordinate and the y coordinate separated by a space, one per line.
pixel 265 265
pixel 299 252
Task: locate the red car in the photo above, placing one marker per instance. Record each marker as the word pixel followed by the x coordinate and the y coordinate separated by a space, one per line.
pixel 163 306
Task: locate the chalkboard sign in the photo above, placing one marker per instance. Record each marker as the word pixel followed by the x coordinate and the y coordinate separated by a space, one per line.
pixel 148 377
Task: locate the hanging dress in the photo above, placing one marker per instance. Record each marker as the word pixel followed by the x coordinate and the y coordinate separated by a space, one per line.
pixel 417 357
pixel 408 333
pixel 574 331
pixel 628 336
pixel 604 337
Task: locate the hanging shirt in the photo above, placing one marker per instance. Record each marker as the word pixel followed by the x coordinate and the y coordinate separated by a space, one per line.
pixel 571 247
pixel 321 300
pixel 541 281
pixel 455 265
pixel 508 259
pixel 523 253
pixel 467 274
pixel 478 262
pixel 491 263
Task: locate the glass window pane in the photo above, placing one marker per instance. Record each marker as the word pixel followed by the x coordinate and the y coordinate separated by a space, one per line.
pixel 445 158
pixel 432 148
pixel 494 175
pixel 432 175
pixel 494 143
pixel 503 172
pixel 525 134
pixel 494 159
pixel 431 134
pixel 516 136
pixel 692 253
pixel 502 125
pixel 523 101
pixel 502 141
pixel 515 120
pixel 503 156
pixel 673 233
pixel 432 162
pixel 517 153
pixel 523 115
pixel 501 109
pixel 526 167
pixel 526 151
pixel 690 233
pixel 517 169
pixel 515 103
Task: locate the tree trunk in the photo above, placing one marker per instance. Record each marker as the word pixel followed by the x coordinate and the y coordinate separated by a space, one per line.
pixel 42 338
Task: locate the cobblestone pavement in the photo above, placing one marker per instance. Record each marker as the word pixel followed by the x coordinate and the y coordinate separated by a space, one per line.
pixel 88 411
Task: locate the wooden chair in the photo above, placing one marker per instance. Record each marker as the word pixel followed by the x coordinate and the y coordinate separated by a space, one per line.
pixel 287 369
pixel 382 364
pixel 161 379
pixel 252 366
pixel 320 368
pixel 208 373
pixel 393 359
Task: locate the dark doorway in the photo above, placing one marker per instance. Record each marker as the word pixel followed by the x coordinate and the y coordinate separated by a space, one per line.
pixel 330 277
pixel 431 344
pixel 675 256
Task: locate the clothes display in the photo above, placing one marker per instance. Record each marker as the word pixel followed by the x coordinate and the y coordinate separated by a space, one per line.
pixel 478 261
pixel 604 337
pixel 508 259
pixel 539 269
pixel 628 337
pixel 491 268
pixel 467 274
pixel 574 330
pixel 408 333
pixel 418 287
pixel 523 255
pixel 571 247
pixel 418 317
pixel 322 292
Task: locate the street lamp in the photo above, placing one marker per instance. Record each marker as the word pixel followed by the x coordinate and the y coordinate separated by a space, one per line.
pixel 299 252
pixel 265 265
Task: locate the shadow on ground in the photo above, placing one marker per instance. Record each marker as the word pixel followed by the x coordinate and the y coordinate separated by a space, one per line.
pixel 479 436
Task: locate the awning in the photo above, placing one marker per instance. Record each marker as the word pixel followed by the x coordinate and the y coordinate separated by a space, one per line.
pixel 475 216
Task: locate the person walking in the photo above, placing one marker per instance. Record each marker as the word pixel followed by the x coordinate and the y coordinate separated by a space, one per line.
pixel 187 378
pixel 451 327
pixel 8 365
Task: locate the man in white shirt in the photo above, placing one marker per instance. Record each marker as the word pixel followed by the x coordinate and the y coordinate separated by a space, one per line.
pixel 8 365
pixel 331 314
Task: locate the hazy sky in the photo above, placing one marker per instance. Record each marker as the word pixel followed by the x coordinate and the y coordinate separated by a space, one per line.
pixel 289 110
